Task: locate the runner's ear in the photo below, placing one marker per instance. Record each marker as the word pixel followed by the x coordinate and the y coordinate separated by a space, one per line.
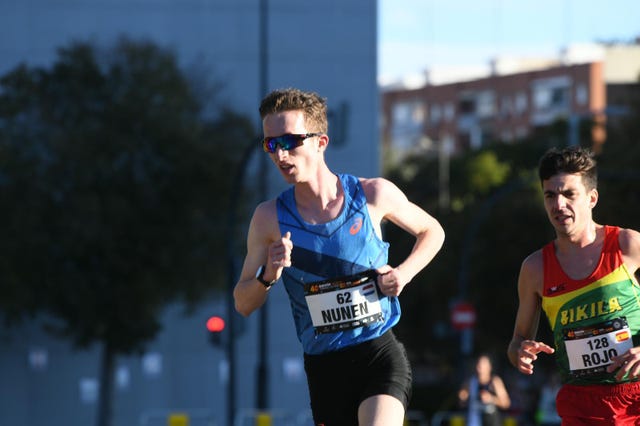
pixel 593 198
pixel 323 141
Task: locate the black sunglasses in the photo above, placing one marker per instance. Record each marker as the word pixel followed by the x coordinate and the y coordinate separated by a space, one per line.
pixel 286 142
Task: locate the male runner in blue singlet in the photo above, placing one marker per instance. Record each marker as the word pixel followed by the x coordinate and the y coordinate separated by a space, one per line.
pixel 322 237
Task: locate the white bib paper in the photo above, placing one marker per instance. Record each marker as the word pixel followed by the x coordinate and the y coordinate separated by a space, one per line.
pixel 591 350
pixel 343 304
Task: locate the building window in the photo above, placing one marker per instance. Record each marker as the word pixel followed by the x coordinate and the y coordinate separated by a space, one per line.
pixel 551 99
pixel 486 104
pixel 467 106
pixel 582 95
pixel 521 103
pixel 506 107
pixel 449 111
pixel 407 123
pixel 482 104
pixel 551 93
pixel 436 114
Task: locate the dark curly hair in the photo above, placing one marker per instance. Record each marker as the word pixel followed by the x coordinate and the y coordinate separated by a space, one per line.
pixel 573 160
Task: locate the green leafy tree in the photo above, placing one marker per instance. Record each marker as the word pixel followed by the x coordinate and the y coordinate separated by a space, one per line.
pixel 486 172
pixel 115 173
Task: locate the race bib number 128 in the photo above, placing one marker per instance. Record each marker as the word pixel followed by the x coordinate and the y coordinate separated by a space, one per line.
pixel 590 349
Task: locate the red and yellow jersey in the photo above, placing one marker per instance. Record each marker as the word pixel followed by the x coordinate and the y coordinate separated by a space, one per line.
pixel 594 318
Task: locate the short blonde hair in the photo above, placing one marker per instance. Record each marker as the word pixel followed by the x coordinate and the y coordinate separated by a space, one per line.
pixel 313 106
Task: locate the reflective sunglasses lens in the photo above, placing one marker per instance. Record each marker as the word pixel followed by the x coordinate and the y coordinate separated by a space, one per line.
pixel 269 145
pixel 286 142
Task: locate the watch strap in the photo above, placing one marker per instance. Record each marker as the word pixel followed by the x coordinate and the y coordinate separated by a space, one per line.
pixel 260 277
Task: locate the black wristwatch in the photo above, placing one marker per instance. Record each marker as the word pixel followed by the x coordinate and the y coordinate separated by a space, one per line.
pixel 260 277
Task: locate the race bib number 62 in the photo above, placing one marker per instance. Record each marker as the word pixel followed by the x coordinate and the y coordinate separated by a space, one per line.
pixel 343 303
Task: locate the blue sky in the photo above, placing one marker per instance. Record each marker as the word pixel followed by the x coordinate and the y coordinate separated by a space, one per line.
pixel 414 35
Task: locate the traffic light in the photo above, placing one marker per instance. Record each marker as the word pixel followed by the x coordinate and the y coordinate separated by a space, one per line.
pixel 215 328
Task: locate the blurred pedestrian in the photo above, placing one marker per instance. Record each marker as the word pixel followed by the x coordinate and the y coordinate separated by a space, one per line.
pixel 484 395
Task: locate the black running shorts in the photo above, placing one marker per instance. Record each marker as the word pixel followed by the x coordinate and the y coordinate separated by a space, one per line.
pixel 339 381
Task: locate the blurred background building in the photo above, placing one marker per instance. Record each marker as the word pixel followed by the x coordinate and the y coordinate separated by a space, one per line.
pixel 512 100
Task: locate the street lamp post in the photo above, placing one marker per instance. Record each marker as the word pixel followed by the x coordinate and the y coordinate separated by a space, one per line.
pixel 236 190
pixel 262 375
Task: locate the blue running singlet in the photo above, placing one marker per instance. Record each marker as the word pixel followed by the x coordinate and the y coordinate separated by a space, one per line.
pixel 342 247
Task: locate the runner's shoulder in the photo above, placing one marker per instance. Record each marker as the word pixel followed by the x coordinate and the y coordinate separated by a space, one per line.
pixel 265 219
pixel 532 271
pixel 629 242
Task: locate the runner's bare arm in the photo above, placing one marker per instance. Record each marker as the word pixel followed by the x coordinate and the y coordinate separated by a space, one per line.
pixel 523 348
pixel 501 399
pixel 387 202
pixel 629 240
pixel 266 247
pixel 628 362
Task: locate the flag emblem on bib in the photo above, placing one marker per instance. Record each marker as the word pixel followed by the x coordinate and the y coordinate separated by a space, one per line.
pixel 368 289
pixel 622 336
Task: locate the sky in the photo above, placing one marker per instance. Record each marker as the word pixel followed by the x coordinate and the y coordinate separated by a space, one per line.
pixel 415 35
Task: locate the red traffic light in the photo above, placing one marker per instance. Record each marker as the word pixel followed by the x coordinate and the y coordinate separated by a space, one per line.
pixel 215 324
